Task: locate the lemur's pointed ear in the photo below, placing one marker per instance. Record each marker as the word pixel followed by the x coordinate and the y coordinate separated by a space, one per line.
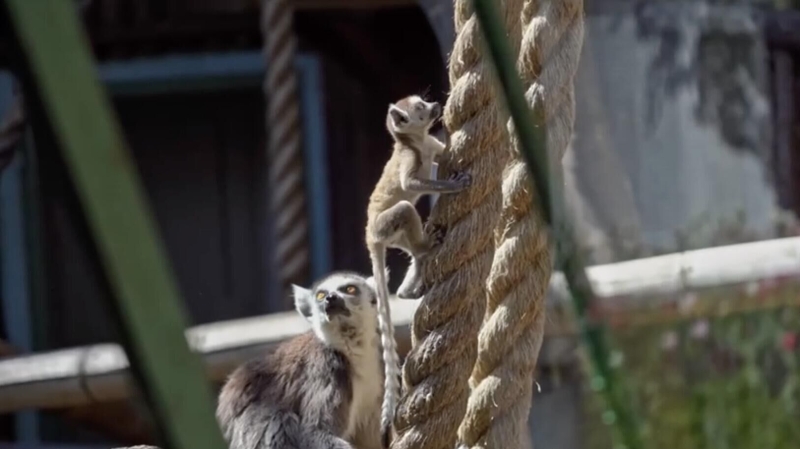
pixel 398 116
pixel 302 300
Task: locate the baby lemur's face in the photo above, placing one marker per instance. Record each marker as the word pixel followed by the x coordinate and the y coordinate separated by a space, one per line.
pixel 413 115
pixel 343 297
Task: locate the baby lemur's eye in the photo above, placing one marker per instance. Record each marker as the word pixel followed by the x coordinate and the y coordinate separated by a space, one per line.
pixel 351 289
pixel 320 295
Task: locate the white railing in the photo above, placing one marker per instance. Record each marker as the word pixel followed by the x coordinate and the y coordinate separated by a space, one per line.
pixel 97 373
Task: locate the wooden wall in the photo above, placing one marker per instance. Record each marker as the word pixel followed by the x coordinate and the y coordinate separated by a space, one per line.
pixel 198 156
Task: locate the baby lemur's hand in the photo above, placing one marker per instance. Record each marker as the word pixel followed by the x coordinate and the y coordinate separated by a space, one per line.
pixel 463 179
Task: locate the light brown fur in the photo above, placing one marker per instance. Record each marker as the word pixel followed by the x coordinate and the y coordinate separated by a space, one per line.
pixel 392 219
pixel 393 222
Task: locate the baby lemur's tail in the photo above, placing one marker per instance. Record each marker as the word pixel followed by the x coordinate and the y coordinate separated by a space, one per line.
pixel 265 428
pixel 391 361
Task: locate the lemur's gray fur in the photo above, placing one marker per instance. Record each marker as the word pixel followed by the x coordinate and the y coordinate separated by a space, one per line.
pixel 320 390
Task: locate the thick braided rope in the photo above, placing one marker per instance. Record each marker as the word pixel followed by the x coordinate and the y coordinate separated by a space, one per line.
pixel 284 153
pixel 511 336
pixel 445 326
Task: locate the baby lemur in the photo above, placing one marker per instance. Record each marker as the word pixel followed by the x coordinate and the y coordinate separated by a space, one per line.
pixel 320 390
pixel 393 221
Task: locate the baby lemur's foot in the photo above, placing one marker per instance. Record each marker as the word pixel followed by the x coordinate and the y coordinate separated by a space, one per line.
pixel 417 291
pixel 410 290
pixel 436 234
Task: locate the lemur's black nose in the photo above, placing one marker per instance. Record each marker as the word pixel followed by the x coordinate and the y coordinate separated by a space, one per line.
pixel 334 305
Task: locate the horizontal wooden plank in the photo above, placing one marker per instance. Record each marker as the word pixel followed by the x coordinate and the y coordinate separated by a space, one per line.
pixel 690 270
pixel 79 376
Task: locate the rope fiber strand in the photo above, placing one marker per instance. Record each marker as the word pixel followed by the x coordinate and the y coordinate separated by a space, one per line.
pixel 445 326
pixel 511 336
pixel 533 148
pixel 284 151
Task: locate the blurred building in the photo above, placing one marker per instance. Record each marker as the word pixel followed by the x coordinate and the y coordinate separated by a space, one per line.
pixel 186 81
pixel 687 135
pixel 687 127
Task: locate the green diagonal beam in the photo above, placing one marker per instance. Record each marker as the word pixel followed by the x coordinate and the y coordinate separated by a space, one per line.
pixel 55 54
pixel 532 139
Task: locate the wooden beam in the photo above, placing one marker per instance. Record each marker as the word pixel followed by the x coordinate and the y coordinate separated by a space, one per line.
pixel 690 270
pixel 118 419
pixel 99 373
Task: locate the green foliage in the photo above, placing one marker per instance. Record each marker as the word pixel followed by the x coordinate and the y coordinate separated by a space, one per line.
pixel 726 383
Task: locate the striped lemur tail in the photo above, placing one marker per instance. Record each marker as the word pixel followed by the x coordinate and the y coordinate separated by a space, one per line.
pixel 391 360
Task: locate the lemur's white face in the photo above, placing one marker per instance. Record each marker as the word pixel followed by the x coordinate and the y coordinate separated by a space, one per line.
pixel 339 297
pixel 413 115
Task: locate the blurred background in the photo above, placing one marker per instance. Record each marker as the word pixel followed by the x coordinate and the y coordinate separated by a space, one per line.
pixel 687 138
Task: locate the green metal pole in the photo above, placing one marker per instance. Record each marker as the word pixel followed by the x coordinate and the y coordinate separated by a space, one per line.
pixel 532 138
pixel 56 56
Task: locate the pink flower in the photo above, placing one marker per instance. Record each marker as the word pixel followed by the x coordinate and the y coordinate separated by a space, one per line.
pixel 700 330
pixel 789 341
pixel 751 289
pixel 769 283
pixel 669 341
pixel 687 302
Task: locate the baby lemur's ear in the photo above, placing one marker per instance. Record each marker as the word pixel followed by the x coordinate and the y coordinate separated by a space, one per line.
pixel 302 300
pixel 398 116
pixel 371 280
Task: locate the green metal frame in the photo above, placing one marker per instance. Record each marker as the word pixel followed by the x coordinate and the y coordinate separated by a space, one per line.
pixel 547 181
pixel 79 114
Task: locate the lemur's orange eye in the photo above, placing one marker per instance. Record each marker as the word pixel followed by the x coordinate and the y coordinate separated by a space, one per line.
pixel 320 295
pixel 351 289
